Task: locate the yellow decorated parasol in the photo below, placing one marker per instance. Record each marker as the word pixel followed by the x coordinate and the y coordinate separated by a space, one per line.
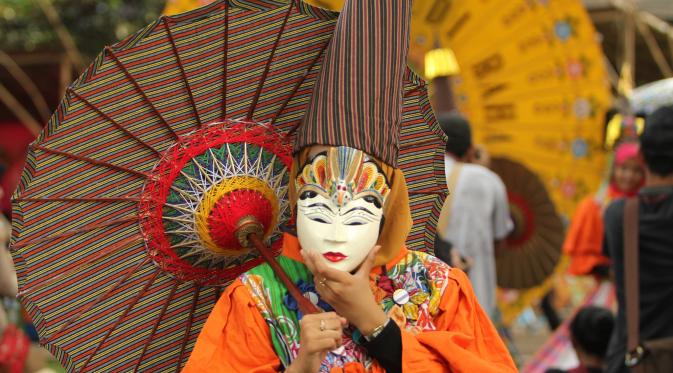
pixel 532 82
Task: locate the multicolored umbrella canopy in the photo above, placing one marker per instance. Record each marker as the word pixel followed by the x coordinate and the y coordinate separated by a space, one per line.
pixel 123 220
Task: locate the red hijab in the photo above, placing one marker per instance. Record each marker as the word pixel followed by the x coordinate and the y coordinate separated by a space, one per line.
pixel 624 152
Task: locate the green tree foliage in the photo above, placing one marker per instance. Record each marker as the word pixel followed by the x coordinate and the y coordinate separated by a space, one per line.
pixel 92 23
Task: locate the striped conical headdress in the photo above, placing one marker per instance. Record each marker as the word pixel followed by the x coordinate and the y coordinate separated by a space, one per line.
pixel 357 99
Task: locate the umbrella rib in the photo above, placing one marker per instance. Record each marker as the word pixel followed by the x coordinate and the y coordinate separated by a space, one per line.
pixel 296 89
pixel 121 318
pixel 109 119
pixel 179 220
pixel 185 339
pixel 178 207
pixel 69 233
pixel 64 199
pixel 89 306
pixel 140 90
pixel 185 195
pixel 192 181
pixel 438 192
pixel 258 93
pixel 156 324
pixel 182 71
pixel 100 255
pixel 225 58
pixel 422 142
pixel 90 160
pixel 185 244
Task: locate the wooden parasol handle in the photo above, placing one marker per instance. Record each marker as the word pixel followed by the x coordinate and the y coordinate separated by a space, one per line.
pixel 304 304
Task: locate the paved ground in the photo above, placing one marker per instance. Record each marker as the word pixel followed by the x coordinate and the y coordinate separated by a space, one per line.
pixel 528 341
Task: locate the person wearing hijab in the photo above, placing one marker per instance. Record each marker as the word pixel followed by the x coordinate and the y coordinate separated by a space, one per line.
pixel 584 241
pixel 384 308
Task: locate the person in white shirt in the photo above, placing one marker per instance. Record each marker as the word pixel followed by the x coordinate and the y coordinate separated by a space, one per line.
pixel 475 219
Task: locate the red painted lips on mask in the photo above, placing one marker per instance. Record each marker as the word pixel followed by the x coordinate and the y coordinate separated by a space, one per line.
pixel 334 257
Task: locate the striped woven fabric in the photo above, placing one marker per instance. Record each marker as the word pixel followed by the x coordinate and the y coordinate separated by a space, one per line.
pixel 99 302
pixel 421 157
pixel 357 98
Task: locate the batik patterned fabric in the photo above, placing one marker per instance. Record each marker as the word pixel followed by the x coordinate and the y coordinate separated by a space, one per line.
pixel 409 293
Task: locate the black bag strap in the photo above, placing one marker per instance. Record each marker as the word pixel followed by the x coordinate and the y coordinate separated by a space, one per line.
pixel 635 351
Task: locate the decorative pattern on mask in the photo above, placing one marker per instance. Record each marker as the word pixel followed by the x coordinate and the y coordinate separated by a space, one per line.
pixel 343 174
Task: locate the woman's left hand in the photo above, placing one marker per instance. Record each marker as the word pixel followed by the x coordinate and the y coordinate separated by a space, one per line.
pixel 349 294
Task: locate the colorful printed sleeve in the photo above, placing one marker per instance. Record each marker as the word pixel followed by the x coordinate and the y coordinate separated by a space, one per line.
pixel 235 338
pixel 465 339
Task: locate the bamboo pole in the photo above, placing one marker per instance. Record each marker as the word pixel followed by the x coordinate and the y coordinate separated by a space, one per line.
pixel 19 111
pixel 655 49
pixel 63 33
pixel 629 63
pixel 27 84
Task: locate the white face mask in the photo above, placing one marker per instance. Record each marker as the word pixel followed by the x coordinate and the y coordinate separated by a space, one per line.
pixel 340 207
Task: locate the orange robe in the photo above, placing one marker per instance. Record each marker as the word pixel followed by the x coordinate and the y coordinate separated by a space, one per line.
pixel 236 338
pixel 584 241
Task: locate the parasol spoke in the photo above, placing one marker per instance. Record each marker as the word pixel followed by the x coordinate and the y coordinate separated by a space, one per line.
pixel 225 59
pixel 262 80
pixel 179 207
pixel 91 261
pixel 90 305
pixel 109 119
pixel 140 91
pixel 193 182
pixel 179 231
pixel 188 328
pixel 185 195
pixel 86 228
pixel 218 169
pixel 65 199
pixel 179 220
pixel 121 318
pixel 186 244
pixel 156 324
pixel 89 160
pixel 204 172
pixel 296 89
pixel 182 71
pixel 413 144
pixel 439 192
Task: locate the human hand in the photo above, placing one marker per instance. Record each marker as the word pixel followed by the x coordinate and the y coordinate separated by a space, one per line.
pixel 319 333
pixel 349 294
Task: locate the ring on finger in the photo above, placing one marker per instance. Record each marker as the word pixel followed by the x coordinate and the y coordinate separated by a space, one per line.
pixel 322 325
pixel 322 282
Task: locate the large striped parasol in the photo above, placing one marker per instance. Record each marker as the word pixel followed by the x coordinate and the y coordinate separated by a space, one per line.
pixel 421 147
pixel 124 220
